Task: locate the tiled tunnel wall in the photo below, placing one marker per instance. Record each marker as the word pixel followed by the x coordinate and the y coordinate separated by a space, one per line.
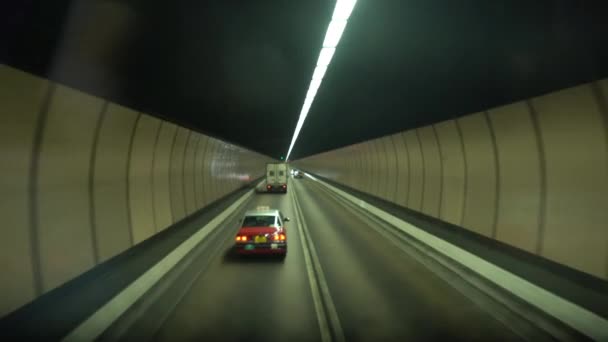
pixel 532 174
pixel 84 179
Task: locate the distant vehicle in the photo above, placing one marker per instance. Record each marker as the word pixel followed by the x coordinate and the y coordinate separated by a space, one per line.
pixel 298 174
pixel 262 232
pixel 276 177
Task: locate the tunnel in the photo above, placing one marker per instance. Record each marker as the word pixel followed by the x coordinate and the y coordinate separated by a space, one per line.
pixel 446 170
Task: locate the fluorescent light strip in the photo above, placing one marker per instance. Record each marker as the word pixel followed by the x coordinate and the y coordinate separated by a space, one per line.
pixel 315 84
pixel 334 33
pixel 325 56
pixel 336 27
pixel 343 9
pixel 319 72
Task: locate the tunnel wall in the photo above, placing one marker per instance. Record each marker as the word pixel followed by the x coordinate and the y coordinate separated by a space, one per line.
pixel 84 179
pixel 532 174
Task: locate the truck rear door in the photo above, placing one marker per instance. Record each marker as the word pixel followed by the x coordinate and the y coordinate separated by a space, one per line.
pixel 271 174
pixel 282 173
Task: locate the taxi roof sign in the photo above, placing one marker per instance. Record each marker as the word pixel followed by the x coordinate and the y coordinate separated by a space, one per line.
pixel 263 207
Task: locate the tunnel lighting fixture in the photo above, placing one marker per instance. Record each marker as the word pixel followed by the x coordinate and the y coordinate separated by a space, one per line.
pixel 315 83
pixel 337 25
pixel 343 9
pixel 325 56
pixel 310 95
pixel 334 33
pixel 319 72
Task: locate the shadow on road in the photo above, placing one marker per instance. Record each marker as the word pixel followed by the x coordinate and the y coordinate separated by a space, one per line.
pixel 231 256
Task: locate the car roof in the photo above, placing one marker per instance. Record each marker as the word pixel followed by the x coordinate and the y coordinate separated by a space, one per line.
pixel 266 212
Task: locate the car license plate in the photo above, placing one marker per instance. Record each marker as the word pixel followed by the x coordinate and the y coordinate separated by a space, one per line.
pixel 249 247
pixel 260 239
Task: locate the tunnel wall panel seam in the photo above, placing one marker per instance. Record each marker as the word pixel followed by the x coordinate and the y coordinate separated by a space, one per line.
pixel 481 182
pixel 170 173
pixel 184 193
pixel 408 170
pixel 141 178
pixel 543 177
pixel 189 169
pixel 393 168
pixel 198 194
pixel 63 194
pixel 92 169
pixel 453 173
pixel 162 175
pixel 152 175
pixel 438 142
pixel 423 172
pixel 576 178
pixel 128 187
pixel 519 196
pixel 207 173
pixel 496 172
pixel 112 216
pixel 373 155
pixel 385 176
pixel 389 177
pixel 34 185
pixel 600 98
pixel 397 173
pixel 25 98
pixel 464 159
pixel 177 175
pixel 379 167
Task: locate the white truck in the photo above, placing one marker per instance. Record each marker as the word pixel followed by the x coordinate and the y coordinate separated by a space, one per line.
pixel 276 177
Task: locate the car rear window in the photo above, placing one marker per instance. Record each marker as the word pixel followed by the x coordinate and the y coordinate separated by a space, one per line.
pixel 259 221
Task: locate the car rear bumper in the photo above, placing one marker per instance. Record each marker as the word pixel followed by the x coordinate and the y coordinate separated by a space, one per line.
pixel 266 248
pixel 276 189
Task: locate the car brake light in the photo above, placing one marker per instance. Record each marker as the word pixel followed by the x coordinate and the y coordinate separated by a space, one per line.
pixel 284 186
pixel 282 237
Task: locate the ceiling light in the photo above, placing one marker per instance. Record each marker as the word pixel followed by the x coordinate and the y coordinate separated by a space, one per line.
pixel 343 9
pixel 325 56
pixel 334 32
pixel 315 83
pixel 319 72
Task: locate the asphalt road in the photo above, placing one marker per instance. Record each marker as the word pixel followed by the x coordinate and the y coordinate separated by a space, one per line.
pixel 375 291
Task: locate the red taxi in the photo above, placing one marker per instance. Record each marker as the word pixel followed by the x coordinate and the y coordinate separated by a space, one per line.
pixel 262 232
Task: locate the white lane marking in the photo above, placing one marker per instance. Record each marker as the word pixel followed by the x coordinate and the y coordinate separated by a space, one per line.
pixel 318 284
pixel 579 318
pixel 99 321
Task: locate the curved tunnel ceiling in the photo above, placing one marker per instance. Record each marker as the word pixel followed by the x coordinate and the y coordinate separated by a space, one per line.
pixel 239 70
